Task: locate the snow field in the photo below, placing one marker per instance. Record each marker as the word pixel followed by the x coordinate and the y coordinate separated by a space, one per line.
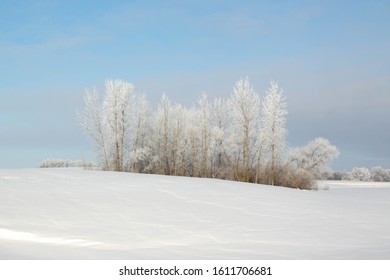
pixel 79 214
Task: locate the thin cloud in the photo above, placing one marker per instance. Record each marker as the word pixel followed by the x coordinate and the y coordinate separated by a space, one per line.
pixel 238 24
pixel 49 44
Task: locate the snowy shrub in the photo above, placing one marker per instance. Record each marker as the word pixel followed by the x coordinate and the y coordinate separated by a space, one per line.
pixel 298 179
pixel 288 176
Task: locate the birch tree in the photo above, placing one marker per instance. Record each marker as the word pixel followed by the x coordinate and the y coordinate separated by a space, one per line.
pixel 140 151
pixel 108 124
pixel 219 126
pixel 177 140
pixel 91 121
pixel 193 142
pixel 245 108
pixel 205 134
pixel 273 128
pixel 162 135
pixel 117 116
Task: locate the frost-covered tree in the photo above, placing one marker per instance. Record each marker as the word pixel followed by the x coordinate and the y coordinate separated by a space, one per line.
pixel 315 156
pixel 140 152
pixel 273 128
pixel 177 140
pixel 193 137
pixel 219 126
pixel 91 121
pixel 205 134
pixel 117 112
pixel 162 135
pixel 108 123
pixel 244 104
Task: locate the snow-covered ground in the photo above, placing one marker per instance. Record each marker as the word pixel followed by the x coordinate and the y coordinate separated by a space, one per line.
pixel 79 214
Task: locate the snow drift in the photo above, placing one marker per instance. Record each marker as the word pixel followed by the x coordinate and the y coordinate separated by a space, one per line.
pixel 79 214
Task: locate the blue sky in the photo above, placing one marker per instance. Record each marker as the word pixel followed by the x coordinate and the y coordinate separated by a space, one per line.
pixel 331 58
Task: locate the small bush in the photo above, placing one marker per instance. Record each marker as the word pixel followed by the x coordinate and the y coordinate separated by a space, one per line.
pixel 288 176
pixel 296 178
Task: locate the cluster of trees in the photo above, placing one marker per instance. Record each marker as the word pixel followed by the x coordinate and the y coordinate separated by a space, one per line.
pixel 242 138
pixel 376 174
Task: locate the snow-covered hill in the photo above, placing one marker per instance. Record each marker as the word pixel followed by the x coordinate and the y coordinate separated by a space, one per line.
pixel 79 214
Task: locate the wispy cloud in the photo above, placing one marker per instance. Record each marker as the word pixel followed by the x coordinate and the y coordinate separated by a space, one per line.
pixel 52 42
pixel 257 19
pixel 238 23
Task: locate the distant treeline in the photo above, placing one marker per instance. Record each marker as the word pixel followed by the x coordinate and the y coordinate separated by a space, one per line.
pixel 53 163
pixel 375 174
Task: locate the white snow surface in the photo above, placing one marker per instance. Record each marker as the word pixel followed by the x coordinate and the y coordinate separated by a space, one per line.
pixel 80 214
